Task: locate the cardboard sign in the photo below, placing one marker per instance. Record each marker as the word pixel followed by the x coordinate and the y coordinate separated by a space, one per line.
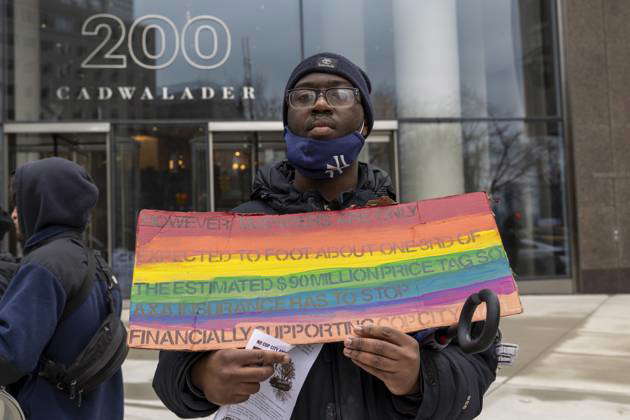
pixel 204 281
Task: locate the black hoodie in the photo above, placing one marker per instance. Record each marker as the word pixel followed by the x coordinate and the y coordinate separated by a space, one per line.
pixel 53 192
pixel 54 197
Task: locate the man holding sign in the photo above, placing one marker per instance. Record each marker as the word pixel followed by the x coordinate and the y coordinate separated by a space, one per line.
pixel 377 373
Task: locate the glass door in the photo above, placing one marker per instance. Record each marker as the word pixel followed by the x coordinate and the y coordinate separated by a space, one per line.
pixel 85 148
pixel 158 167
pixel 232 162
pixel 236 158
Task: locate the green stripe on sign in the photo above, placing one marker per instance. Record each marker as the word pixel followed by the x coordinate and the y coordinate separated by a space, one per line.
pixel 195 291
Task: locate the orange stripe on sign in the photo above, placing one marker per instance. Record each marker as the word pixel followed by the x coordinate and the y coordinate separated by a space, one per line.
pixel 463 229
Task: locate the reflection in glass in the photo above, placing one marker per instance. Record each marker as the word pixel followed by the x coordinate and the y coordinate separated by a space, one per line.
pixel 237 157
pixel 361 30
pixel 271 148
pixel 149 59
pixel 233 161
pixel 379 152
pixel 506 58
pixel 265 45
pixel 157 167
pixel 521 166
pixel 167 60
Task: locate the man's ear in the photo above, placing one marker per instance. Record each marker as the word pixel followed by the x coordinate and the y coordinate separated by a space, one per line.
pixel 364 131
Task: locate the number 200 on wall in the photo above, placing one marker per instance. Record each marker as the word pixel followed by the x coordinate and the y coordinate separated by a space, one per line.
pixel 193 28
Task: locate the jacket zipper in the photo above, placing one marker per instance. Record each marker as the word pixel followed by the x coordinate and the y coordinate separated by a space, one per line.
pixel 333 357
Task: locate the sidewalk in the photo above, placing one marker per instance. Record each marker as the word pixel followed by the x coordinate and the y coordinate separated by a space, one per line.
pixel 574 363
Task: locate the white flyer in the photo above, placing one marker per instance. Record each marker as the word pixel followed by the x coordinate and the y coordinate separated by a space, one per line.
pixel 278 394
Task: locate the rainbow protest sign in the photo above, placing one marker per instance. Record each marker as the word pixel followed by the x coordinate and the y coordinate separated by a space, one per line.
pixel 205 280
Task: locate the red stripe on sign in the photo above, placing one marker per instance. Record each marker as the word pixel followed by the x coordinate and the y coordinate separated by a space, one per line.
pixel 453 206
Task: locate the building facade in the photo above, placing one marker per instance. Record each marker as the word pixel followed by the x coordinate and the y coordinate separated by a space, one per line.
pixel 174 105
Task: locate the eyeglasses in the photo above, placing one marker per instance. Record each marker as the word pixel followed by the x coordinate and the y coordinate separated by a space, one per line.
pixel 337 97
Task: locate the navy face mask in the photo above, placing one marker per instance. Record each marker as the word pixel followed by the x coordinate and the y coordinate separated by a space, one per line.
pixel 322 159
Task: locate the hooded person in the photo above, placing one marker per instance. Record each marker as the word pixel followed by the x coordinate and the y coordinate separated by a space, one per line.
pixel 380 373
pixel 54 198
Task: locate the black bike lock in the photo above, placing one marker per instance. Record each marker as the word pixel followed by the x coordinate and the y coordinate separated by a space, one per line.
pixel 490 326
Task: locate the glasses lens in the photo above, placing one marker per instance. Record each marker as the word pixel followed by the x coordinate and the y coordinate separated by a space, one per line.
pixel 340 97
pixel 302 98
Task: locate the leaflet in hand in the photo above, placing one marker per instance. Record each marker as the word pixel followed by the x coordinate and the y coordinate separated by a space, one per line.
pixel 278 394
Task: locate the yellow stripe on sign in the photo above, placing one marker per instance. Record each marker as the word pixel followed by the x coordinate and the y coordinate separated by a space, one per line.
pixel 204 271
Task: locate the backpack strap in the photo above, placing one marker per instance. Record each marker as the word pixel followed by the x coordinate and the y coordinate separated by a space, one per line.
pixel 105 352
pixel 75 300
pixel 110 279
pixel 86 287
pixel 100 360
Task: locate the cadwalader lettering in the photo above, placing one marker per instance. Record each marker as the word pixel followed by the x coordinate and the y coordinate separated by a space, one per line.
pixel 146 93
pixel 207 92
pixel 187 94
pixel 83 95
pixel 105 93
pixel 166 96
pixel 63 93
pixel 126 92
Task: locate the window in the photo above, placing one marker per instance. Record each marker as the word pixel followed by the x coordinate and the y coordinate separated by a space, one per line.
pixel 157 167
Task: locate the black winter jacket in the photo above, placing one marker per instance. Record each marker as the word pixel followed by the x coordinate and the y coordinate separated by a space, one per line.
pixel 453 382
pixel 8 267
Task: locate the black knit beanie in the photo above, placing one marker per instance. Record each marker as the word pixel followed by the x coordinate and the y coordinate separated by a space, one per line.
pixel 341 66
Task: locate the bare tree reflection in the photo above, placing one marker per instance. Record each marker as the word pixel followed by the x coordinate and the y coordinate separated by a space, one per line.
pixel 520 166
pixel 499 154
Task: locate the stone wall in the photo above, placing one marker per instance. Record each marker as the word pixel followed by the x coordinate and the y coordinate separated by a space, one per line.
pixel 597 53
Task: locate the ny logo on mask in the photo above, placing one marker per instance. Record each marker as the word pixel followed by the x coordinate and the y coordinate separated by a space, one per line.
pixel 339 166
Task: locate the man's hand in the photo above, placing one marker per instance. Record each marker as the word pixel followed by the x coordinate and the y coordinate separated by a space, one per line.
pixel 231 376
pixel 388 354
